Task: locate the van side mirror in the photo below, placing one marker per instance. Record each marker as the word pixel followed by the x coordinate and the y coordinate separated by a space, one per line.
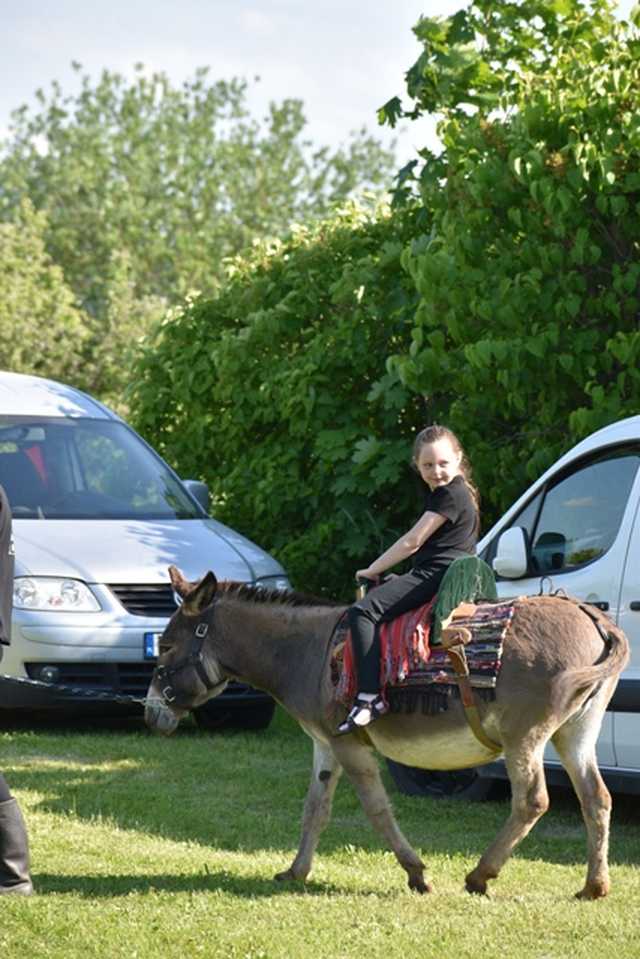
pixel 199 491
pixel 510 560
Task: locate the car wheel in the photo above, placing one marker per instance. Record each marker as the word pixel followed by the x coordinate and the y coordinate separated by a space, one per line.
pixel 436 784
pixel 216 716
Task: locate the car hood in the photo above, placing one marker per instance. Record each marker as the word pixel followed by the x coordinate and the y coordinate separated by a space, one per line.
pixel 132 551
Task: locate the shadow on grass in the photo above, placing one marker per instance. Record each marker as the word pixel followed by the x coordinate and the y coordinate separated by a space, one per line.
pixel 99 886
pixel 245 792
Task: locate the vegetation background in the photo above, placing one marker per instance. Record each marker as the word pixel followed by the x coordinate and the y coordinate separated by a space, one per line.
pixel 216 280
pixel 497 291
pixel 143 190
pixel 501 297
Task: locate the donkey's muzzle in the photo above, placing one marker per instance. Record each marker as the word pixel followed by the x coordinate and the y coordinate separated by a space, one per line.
pixel 159 717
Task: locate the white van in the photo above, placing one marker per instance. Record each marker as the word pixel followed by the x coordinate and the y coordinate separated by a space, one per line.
pixel 576 529
pixel 98 517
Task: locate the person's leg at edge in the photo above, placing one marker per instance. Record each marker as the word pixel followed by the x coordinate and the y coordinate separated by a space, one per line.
pixel 14 846
pixel 383 603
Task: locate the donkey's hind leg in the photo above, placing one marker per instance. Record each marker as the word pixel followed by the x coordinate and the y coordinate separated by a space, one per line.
pixel 325 774
pixel 576 744
pixel 529 801
pixel 361 766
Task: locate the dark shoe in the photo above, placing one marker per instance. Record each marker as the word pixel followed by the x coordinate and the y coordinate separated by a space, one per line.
pixel 363 713
pixel 14 851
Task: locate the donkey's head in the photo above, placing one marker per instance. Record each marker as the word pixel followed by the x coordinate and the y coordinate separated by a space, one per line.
pixel 187 673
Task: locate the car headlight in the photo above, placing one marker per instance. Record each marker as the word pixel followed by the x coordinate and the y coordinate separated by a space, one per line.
pixel 47 593
pixel 273 582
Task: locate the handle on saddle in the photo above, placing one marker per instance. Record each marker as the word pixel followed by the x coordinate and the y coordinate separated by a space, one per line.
pixel 364 585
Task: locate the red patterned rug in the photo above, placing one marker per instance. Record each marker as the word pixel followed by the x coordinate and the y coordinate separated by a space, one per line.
pixel 415 675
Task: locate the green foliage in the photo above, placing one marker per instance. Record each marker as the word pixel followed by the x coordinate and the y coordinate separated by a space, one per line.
pixel 526 335
pixel 41 331
pixel 147 188
pixel 275 392
pixel 295 391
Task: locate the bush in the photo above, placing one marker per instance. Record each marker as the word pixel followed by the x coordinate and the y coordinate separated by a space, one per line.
pixel 526 335
pixel 500 297
pixel 275 393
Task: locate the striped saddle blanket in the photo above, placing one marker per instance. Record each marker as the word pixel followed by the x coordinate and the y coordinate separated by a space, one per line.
pixel 415 675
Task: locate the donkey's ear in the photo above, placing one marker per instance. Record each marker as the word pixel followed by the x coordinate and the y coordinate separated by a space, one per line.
pixel 201 595
pixel 179 583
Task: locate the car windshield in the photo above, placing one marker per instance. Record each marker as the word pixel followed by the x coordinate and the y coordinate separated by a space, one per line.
pixel 76 468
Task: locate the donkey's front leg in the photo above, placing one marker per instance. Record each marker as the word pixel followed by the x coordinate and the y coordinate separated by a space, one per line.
pixel 317 809
pixel 361 766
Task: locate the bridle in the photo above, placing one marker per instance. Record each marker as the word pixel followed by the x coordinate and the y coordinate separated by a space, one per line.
pixel 195 658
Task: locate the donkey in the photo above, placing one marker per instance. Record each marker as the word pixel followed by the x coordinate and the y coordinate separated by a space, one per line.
pixel 558 674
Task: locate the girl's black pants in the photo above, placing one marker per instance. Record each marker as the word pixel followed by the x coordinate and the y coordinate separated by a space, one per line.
pixel 382 604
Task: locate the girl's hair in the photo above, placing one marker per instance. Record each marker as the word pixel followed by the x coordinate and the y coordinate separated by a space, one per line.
pixel 436 432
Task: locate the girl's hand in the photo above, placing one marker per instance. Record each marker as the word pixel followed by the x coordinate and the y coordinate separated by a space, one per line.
pixel 367 574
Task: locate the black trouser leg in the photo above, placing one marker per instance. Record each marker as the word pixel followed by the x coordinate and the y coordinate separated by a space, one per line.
pixel 366 650
pixel 5 792
pixel 385 602
pixel 14 846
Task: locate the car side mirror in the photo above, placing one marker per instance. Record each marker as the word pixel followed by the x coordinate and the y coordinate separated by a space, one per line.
pixel 510 560
pixel 199 491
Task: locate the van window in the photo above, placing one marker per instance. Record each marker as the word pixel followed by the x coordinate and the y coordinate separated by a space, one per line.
pixel 78 468
pixel 526 519
pixel 581 512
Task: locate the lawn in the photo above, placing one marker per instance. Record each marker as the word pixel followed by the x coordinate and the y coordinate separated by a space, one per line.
pixel 143 847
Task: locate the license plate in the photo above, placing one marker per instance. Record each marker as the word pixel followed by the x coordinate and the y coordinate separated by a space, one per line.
pixel 151 644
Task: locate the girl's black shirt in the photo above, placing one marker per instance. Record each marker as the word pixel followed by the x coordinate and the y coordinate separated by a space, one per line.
pixel 459 534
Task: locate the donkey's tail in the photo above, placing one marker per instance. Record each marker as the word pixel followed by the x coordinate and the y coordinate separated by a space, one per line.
pixel 615 657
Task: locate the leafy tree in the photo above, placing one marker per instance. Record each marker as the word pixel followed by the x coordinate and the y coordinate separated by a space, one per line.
pixel 41 331
pixel 526 336
pixel 165 183
pixel 515 320
pixel 275 392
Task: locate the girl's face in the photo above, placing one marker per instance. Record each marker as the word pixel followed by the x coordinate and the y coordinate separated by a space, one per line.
pixel 438 463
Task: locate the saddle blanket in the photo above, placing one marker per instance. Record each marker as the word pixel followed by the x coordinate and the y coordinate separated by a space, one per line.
pixel 412 672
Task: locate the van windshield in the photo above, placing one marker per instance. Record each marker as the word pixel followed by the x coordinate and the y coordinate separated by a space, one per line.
pixel 77 468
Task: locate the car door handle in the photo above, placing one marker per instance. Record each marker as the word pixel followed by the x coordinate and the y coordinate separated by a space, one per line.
pixel 635 605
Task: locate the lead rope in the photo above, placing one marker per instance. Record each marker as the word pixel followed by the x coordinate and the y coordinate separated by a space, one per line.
pixel 76 691
pixel 102 695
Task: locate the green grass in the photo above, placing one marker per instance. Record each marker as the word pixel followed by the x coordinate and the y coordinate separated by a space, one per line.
pixel 143 847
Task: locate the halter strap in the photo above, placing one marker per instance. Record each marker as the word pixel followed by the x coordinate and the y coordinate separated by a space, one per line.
pixel 195 658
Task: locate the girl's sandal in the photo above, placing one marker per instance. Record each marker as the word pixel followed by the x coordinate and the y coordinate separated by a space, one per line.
pixel 363 713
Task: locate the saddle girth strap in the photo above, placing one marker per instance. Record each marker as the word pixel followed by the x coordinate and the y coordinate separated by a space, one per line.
pixel 459 662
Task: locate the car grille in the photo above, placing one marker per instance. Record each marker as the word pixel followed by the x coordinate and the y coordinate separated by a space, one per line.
pixel 147 600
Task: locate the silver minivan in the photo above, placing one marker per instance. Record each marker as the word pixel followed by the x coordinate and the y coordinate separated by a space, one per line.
pixel 98 517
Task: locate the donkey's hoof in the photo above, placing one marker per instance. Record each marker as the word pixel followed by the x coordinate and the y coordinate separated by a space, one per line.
pixel 475 885
pixel 288 876
pixel 594 890
pixel 418 884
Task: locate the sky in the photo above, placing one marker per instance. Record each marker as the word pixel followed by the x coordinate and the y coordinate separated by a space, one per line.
pixel 343 58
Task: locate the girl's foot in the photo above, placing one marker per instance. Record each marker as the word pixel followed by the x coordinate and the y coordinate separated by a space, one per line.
pixel 367 707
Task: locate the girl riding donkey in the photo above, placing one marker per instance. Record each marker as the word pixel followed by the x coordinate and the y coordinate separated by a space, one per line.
pixel 447 530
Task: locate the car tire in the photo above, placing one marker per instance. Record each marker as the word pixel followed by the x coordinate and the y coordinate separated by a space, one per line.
pixel 215 716
pixel 436 784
